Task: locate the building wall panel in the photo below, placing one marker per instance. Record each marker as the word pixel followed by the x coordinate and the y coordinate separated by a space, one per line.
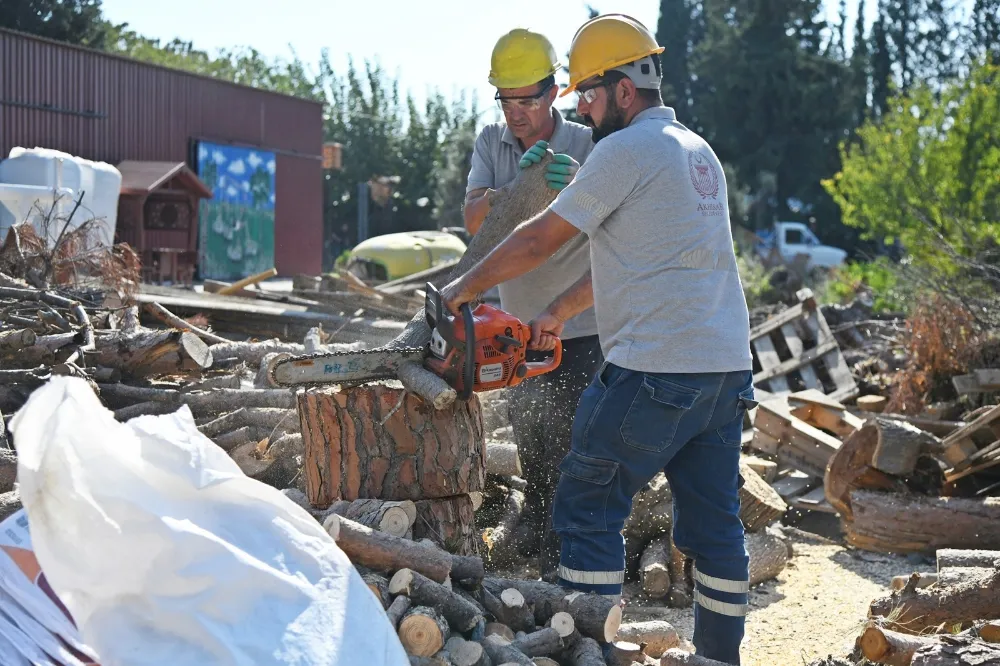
pixel 108 108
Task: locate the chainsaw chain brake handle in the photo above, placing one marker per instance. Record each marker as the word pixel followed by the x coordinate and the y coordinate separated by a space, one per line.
pixel 439 318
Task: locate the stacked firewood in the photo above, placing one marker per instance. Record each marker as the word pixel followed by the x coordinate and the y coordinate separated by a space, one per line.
pixel 447 611
pixel 652 559
pixel 950 617
pixel 901 489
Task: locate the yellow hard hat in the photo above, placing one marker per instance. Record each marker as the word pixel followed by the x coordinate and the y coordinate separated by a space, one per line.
pixel 522 58
pixel 604 43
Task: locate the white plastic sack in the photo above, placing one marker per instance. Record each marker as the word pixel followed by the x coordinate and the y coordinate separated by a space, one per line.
pixel 166 553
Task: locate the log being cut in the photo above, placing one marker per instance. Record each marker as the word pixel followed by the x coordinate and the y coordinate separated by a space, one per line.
pixel 523 198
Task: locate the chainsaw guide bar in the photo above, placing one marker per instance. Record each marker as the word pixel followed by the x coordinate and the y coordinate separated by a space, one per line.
pixel 344 368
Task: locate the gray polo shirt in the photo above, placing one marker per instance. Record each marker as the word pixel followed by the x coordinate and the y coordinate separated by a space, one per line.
pixel 652 199
pixel 494 164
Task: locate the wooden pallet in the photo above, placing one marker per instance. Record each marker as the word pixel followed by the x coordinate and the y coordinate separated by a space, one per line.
pixel 961 451
pixel 796 350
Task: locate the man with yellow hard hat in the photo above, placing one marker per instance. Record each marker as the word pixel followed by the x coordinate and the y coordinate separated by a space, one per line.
pixel 673 326
pixel 523 71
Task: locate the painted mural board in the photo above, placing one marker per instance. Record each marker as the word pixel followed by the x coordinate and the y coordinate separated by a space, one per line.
pixel 236 226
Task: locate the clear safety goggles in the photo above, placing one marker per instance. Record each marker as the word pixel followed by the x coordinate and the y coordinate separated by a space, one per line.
pixel 522 102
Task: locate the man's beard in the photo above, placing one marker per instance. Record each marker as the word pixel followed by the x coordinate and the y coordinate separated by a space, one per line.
pixel 614 120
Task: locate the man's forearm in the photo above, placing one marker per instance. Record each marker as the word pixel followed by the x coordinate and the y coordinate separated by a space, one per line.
pixel 477 206
pixel 574 300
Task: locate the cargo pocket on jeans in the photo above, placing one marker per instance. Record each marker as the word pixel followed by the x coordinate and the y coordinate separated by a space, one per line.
pixel 652 419
pixel 732 433
pixel 581 500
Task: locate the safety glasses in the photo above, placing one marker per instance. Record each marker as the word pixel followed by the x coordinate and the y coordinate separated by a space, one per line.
pixel 522 102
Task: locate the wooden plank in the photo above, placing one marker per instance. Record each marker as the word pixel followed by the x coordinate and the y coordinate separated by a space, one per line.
pixel 841 424
pixel 801 444
pixel 814 500
pixel 989 379
pixel 958 446
pixel 769 375
pixel 814 397
pixel 771 364
pixel 764 443
pixel 809 377
pixel 777 321
pixel 795 484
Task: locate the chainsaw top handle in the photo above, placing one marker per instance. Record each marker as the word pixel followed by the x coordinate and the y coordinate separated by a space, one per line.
pixel 437 317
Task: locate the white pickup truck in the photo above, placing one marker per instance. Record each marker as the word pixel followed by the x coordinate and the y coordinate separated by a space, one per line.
pixel 789 239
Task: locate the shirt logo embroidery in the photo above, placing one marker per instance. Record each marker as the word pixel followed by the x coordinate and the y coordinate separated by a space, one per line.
pixel 703 175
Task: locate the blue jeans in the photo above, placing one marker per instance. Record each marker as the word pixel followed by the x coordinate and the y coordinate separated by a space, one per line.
pixel 630 425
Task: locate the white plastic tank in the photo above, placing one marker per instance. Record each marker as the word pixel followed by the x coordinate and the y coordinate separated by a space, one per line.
pixel 68 176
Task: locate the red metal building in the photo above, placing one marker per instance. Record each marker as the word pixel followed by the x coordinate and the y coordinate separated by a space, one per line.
pixel 113 109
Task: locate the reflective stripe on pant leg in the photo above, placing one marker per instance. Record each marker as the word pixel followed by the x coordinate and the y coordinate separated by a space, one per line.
pixel 590 562
pixel 725 596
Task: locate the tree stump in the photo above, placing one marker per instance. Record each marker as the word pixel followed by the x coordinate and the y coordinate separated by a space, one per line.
pixel 851 468
pixel 377 442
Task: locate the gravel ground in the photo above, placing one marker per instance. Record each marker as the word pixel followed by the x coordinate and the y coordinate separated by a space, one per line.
pixel 815 608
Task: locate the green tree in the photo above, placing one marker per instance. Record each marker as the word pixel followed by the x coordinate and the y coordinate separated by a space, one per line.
pixel 456 160
pixel 929 173
pixel 680 29
pixel 860 65
pixel 881 67
pixel 74 21
pixel 983 38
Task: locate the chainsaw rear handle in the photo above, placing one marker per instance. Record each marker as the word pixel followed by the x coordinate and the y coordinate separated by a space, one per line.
pixel 438 317
pixel 548 365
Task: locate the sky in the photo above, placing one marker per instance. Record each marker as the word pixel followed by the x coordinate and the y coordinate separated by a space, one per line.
pixel 427 45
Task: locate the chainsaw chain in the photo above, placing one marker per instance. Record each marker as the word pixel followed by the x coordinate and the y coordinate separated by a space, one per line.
pixel 345 382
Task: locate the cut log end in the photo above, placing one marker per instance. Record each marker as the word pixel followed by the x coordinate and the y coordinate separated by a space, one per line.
pixel 612 623
pixel 563 623
pixel 400 582
pixel 423 632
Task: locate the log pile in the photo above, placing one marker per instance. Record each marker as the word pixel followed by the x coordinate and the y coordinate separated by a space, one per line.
pixel 138 370
pixel 446 610
pixel 901 489
pixel 950 617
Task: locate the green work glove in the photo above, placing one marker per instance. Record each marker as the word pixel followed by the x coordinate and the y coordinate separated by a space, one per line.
pixel 533 155
pixel 561 171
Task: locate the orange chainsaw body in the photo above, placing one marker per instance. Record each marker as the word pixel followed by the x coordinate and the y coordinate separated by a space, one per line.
pixel 496 357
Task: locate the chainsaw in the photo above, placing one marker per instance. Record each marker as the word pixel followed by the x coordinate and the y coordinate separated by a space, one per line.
pixel 481 349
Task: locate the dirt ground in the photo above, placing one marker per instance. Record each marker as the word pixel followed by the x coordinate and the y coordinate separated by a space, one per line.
pixel 814 608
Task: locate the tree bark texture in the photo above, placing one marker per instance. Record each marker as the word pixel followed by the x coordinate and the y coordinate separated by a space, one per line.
pixel 397 609
pixel 890 648
pixel 908 523
pixel 595 616
pixel 899 446
pixel 768 556
pixel 460 613
pixel 395 518
pixel 501 542
pixel 378 442
pixel 585 652
pixel 851 469
pixel 952 557
pixel 386 553
pixel 510 610
pixel 502 459
pixel 502 652
pixel 678 657
pixel 656 635
pixel 541 643
pixel 912 610
pixel 760 504
pixel 654 569
pixel 450 522
pixel 955 651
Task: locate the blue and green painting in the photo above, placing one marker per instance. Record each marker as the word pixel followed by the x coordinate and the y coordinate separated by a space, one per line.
pixel 236 226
